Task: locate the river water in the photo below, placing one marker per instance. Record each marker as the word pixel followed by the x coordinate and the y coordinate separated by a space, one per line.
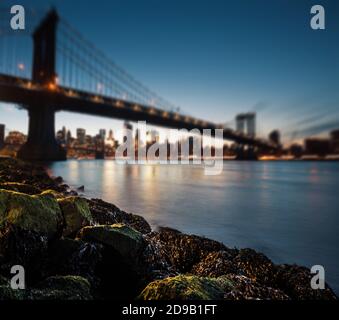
pixel 287 210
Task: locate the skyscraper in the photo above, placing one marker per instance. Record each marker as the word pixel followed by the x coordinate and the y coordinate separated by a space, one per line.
pixel 251 124
pixel 102 134
pixel 240 123
pixel 274 137
pixel 81 136
pixel 246 123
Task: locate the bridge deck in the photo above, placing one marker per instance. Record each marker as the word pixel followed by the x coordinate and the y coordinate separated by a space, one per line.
pixel 24 92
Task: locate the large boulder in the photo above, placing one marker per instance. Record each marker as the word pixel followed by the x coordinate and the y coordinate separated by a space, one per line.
pixel 215 264
pixel 38 213
pixel 76 214
pixel 183 287
pixel 106 213
pixel 230 287
pixel 128 242
pixel 296 282
pixel 68 256
pixel 244 288
pixel 62 288
pixel 255 266
pixel 27 223
pixel 122 264
pixel 183 251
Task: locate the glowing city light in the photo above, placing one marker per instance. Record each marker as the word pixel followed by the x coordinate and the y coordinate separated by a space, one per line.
pixel 21 66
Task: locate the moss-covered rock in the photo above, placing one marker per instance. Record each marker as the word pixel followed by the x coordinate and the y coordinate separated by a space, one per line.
pixel 183 288
pixel 20 187
pixel 128 242
pixel 62 288
pixel 7 293
pixel 38 213
pixel 76 214
pixel 53 193
pixel 122 265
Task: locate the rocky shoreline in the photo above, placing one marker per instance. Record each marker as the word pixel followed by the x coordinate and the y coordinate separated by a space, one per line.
pixel 73 248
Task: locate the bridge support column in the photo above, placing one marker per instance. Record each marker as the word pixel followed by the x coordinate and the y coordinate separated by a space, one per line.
pixel 41 144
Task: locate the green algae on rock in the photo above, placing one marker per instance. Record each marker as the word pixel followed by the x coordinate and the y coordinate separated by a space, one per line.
pixel 76 214
pixel 183 287
pixel 62 288
pixel 123 239
pixel 37 213
pixel 20 187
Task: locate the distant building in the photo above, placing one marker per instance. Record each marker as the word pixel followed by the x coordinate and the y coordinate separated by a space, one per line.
pixel 296 150
pixel 317 146
pixel 81 136
pixel 335 141
pixel 274 138
pixel 102 134
pixel 240 123
pixel 246 123
pixel 69 138
pixel 15 138
pixel 110 139
pixel 251 124
pixel 2 135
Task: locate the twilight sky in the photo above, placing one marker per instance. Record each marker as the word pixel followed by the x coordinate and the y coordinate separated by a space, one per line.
pixel 215 58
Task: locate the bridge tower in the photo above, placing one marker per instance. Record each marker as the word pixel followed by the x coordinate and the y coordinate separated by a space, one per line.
pixel 41 144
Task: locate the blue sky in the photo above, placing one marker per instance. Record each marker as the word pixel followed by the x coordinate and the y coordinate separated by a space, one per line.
pixel 216 58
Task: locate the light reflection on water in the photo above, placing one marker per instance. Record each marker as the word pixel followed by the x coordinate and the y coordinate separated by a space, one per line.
pixel 288 210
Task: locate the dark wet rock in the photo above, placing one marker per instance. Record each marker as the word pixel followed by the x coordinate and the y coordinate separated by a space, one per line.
pixel 128 242
pixel 244 288
pixel 122 265
pixel 107 213
pixel 23 247
pixel 59 180
pixel 62 288
pixel 296 282
pixel 255 266
pixel 119 261
pixel 183 251
pixel 183 288
pixel 81 188
pixel 13 170
pixel 26 224
pixel 76 214
pixel 75 257
pixel 215 264
pixel 157 267
pixel 20 187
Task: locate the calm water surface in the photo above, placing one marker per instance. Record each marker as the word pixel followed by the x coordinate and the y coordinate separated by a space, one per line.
pixel 288 210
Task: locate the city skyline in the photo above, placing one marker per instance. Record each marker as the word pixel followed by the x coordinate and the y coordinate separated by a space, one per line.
pixel 288 74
